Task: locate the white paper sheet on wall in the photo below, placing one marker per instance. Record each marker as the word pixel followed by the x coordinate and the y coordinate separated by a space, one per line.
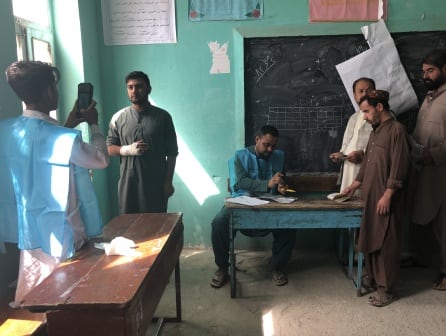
pixel 220 59
pixel 138 22
pixel 381 63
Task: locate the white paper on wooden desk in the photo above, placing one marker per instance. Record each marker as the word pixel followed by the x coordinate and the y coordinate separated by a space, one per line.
pixel 246 200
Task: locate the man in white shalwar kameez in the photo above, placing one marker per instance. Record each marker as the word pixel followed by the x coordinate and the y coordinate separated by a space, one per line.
pixel 355 138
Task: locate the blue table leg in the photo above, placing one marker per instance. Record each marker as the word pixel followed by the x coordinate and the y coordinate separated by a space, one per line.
pixel 351 247
pixel 359 274
pixel 340 244
pixel 232 256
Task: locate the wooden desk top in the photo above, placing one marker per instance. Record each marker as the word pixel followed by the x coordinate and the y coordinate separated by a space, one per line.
pixel 92 277
pixel 304 203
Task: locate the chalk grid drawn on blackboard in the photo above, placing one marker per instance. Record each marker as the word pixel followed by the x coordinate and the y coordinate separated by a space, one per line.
pixel 310 119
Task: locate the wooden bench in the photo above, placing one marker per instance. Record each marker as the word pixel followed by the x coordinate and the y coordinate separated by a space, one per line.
pixel 20 322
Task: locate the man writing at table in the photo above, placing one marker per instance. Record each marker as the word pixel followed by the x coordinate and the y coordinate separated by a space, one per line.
pixel 255 170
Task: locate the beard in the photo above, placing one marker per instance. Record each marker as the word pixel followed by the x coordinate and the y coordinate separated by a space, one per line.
pixel 138 100
pixel 434 84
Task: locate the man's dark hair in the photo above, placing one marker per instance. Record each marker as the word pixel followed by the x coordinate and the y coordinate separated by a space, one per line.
pixel 365 79
pixel 436 57
pixel 30 79
pixel 268 129
pixel 375 97
pixel 138 75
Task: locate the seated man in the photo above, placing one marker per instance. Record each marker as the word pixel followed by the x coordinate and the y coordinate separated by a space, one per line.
pixel 257 169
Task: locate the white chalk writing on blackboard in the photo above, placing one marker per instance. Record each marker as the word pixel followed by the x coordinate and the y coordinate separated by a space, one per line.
pixel 266 65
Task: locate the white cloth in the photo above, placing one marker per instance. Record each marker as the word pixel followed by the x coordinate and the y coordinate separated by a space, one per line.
pixel 35 265
pixel 356 137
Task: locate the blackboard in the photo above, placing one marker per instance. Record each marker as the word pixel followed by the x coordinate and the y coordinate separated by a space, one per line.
pixel 292 83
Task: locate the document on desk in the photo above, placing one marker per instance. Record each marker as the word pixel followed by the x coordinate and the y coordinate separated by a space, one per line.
pixel 247 200
pixel 277 198
pixel 338 197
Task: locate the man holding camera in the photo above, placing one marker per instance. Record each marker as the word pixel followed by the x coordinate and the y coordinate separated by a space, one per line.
pixel 48 205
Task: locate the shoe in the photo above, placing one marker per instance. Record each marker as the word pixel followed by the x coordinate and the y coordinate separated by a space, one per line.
pixel 382 300
pixel 279 278
pixel 440 284
pixel 220 278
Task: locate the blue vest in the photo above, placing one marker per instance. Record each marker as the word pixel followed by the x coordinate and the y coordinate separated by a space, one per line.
pixel 34 179
pixel 251 166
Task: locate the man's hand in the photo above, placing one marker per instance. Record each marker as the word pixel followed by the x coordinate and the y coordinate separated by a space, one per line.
pixel 135 149
pixel 282 188
pixel 383 206
pixel 168 190
pixel 276 179
pixel 355 156
pixel 336 157
pixel 90 115
pixel 350 190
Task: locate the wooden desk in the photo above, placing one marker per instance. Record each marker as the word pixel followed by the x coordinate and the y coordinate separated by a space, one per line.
pixel 312 212
pixel 95 294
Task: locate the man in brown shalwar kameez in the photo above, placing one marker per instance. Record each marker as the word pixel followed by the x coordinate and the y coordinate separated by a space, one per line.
pixel 429 155
pixel 382 180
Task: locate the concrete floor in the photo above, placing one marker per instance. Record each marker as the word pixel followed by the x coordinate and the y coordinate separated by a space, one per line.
pixel 318 300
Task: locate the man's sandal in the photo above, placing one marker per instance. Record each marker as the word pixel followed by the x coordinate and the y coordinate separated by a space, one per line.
pixel 440 284
pixel 381 300
pixel 279 279
pixel 220 278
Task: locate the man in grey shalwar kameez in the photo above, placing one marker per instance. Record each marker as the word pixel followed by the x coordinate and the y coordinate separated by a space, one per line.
pixel 144 137
pixel 429 154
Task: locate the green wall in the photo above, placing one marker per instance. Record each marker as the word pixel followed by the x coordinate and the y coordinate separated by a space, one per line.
pixel 207 109
pixel 9 106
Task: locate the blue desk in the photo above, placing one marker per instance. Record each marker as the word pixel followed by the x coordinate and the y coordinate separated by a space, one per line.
pixel 304 213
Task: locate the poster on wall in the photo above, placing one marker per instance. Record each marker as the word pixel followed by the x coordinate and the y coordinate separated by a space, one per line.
pixel 347 10
pixel 220 59
pixel 208 10
pixel 138 22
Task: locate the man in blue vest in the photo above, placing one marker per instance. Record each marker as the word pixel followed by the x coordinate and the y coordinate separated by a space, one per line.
pixel 254 170
pixel 47 202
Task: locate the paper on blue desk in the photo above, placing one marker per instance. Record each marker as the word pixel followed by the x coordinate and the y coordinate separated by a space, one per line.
pixel 246 200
